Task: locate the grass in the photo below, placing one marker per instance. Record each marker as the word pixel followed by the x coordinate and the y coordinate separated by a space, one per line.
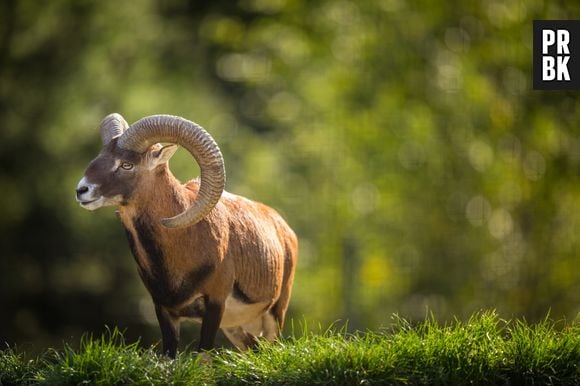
pixel 483 350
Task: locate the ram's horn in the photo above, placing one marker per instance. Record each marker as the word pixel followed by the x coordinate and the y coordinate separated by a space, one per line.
pixel 112 126
pixel 168 128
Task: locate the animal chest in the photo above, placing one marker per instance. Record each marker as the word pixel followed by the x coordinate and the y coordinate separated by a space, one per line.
pixel 166 287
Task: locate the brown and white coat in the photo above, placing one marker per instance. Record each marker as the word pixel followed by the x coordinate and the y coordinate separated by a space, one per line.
pixel 224 260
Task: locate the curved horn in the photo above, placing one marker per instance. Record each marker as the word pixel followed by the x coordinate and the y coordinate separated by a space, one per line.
pixel 169 128
pixel 112 126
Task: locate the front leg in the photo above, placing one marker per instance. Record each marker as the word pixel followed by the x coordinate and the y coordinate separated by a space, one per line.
pixel 169 331
pixel 210 324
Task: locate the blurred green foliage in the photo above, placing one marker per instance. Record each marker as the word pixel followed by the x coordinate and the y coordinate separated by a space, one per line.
pixel 401 140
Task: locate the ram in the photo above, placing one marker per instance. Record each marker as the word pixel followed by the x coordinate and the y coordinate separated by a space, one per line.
pixel 202 253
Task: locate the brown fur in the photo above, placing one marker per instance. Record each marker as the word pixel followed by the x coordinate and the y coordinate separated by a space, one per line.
pixel 240 242
pixel 233 269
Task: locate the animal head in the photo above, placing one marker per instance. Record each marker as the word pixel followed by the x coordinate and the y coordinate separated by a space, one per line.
pixel 131 154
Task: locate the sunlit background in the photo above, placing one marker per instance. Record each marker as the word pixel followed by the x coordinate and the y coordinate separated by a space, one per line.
pixel 401 140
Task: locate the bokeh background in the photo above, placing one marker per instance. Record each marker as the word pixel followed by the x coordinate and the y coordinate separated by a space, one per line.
pixel 401 140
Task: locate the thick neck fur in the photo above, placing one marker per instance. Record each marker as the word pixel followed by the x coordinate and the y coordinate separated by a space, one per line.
pixel 159 195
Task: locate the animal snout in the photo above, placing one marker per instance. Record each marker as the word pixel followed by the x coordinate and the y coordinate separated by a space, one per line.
pixel 85 191
pixel 82 190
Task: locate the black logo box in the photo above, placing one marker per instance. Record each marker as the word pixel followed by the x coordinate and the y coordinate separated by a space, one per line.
pixel 573 27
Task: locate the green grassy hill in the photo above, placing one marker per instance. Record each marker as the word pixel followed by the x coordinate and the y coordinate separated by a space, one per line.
pixel 486 349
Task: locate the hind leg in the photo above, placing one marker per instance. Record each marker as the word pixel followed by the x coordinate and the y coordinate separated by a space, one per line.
pixel 274 318
pixel 272 321
pixel 254 327
pixel 270 327
pixel 264 326
pixel 241 339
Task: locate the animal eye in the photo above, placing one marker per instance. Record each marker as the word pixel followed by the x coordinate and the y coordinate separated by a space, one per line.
pixel 126 165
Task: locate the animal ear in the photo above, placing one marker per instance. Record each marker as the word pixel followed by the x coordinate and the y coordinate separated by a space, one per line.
pixel 161 155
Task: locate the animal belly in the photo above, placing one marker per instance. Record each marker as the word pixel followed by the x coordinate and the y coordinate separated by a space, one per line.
pixel 237 313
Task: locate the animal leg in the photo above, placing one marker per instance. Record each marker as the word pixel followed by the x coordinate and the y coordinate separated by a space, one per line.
pixel 270 327
pixel 254 327
pixel 169 331
pixel 264 326
pixel 210 324
pixel 240 338
pixel 278 310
